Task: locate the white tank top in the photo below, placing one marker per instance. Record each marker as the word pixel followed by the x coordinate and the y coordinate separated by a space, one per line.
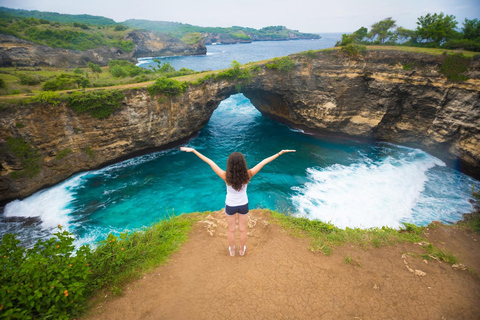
pixel 236 198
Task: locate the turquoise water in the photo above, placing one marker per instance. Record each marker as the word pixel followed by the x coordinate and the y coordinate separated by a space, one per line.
pixel 348 183
pixel 345 182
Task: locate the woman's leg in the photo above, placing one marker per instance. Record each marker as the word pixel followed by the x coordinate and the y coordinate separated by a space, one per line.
pixel 231 219
pixel 242 227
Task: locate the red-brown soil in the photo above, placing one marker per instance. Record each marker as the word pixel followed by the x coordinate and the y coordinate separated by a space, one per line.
pixel 280 278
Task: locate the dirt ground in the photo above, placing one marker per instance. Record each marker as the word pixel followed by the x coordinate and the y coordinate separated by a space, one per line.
pixel 280 278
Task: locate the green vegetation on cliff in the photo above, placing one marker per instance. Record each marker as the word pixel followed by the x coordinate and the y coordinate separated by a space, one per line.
pixel 53 280
pixel 75 36
pixel 99 104
pixel 180 30
pixel 26 155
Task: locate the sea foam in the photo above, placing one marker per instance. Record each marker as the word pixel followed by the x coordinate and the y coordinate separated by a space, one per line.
pixel 365 194
pixel 50 205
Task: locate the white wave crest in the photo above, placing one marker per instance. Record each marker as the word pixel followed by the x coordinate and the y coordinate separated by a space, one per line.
pixel 365 195
pixel 50 205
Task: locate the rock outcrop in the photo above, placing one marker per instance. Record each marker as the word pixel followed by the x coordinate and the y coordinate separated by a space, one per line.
pixel 370 98
pixel 149 44
pixel 19 52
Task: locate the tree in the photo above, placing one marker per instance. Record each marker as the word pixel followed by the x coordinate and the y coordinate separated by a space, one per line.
pixel 360 34
pixel 471 29
pixel 357 36
pixel 95 68
pixel 404 35
pixel 381 30
pixel 436 28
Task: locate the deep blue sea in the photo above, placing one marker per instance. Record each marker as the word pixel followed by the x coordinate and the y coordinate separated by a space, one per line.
pixel 347 183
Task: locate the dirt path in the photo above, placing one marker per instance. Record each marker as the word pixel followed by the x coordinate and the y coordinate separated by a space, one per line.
pixel 279 278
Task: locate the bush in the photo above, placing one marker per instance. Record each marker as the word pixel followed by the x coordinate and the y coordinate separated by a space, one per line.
pixel 99 104
pixel 168 87
pixel 52 281
pixel 454 65
pixel 462 44
pixel 354 50
pixel 28 80
pixel 120 27
pixel 77 71
pixel 47 97
pixel 46 281
pixel 235 73
pixel 285 64
pixel 124 68
pixel 3 84
pixel 65 81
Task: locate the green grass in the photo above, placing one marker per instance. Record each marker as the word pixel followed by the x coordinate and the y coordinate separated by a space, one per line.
pixel 325 237
pixel 433 51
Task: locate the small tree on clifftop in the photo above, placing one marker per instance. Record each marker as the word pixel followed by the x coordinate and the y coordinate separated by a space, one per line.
pixel 381 30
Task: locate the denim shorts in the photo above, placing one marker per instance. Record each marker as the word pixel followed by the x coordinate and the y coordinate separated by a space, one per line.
pixel 243 209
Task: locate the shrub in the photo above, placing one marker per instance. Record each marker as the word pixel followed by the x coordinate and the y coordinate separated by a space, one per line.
pixel 462 44
pixel 63 153
pixel 46 281
pixel 47 97
pixel 236 73
pixel 77 71
pixel 65 81
pixel 124 68
pixel 27 155
pixel 50 281
pixel 3 84
pixel 168 87
pixel 285 64
pixel 99 104
pixel 354 50
pixel 453 66
pixel 120 27
pixel 28 80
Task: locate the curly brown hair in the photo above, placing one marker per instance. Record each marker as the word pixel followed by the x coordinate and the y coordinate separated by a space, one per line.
pixel 237 171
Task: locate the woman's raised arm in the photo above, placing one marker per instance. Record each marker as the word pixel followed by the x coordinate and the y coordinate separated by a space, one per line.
pixel 210 162
pixel 260 165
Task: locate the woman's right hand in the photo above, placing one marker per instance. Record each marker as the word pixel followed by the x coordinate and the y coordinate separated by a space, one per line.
pixel 285 151
pixel 187 149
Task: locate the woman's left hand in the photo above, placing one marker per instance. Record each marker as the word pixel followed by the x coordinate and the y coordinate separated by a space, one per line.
pixel 285 151
pixel 187 149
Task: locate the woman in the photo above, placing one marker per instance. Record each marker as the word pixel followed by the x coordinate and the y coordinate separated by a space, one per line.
pixel 236 178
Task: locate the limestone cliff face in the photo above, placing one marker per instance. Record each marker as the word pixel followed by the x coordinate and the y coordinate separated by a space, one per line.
pixel 370 98
pixel 374 98
pixel 149 44
pixel 143 124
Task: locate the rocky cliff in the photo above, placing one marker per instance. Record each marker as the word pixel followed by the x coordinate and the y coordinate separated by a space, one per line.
pixel 375 97
pixel 14 51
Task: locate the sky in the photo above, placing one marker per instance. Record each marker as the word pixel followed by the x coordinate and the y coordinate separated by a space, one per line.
pixel 303 15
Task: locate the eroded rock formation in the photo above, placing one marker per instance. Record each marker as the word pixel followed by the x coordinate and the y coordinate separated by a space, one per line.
pixel 371 98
